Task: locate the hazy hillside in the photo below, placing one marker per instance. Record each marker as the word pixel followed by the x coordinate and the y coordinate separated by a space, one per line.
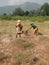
pixel 30 6
pixel 24 6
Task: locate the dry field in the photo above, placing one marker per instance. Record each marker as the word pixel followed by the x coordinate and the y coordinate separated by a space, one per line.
pixel 28 50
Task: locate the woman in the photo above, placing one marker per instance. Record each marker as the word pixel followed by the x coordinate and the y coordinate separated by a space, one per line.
pixel 35 29
pixel 19 28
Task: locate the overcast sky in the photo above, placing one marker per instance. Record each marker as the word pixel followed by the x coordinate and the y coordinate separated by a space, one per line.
pixel 14 2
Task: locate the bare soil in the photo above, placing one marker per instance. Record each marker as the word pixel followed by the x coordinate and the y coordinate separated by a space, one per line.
pixel 11 49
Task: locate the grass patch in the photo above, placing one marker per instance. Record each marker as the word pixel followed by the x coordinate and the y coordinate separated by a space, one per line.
pixel 8 26
pixel 32 18
pixel 21 57
pixel 24 44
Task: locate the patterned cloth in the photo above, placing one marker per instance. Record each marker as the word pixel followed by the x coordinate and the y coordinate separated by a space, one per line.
pixel 19 27
pixel 35 31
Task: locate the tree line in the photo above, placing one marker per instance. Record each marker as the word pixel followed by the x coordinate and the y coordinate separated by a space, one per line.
pixel 42 11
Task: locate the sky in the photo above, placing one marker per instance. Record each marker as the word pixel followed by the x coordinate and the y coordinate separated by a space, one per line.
pixel 14 2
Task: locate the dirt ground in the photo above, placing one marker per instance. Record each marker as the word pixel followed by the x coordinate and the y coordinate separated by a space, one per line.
pixel 14 52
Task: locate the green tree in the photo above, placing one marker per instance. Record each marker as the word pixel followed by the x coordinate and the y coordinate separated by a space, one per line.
pixel 26 13
pixel 18 11
pixel 5 14
pixel 32 13
pixel 44 9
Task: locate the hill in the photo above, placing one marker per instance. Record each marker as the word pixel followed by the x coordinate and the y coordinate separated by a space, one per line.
pixel 24 6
